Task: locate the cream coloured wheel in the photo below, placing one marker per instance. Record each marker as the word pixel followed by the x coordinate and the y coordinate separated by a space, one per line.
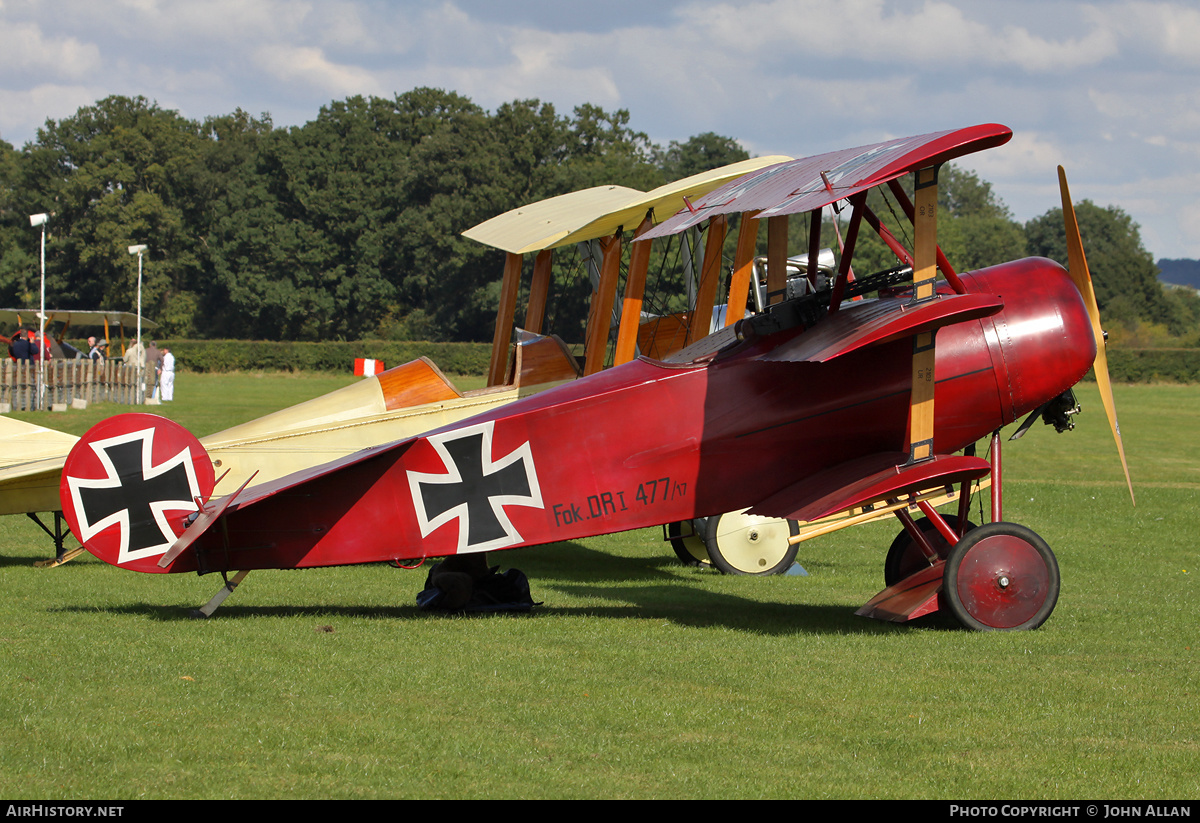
pixel 740 543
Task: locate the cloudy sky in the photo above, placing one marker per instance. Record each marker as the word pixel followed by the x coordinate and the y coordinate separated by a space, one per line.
pixel 1109 88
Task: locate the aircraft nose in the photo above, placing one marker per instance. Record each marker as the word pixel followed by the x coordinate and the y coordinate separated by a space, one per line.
pixel 1041 343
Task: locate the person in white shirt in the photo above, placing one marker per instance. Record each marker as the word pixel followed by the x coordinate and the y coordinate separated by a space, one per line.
pixel 165 391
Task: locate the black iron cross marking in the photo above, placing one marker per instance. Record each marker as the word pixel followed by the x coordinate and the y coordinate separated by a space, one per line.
pixel 475 489
pixel 135 494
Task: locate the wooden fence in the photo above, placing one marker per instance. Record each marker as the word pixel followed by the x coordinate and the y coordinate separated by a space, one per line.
pixel 110 381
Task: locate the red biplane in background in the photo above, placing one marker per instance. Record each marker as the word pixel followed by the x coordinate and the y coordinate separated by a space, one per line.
pixel 819 405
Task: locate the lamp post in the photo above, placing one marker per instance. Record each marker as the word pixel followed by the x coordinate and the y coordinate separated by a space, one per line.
pixel 36 220
pixel 141 363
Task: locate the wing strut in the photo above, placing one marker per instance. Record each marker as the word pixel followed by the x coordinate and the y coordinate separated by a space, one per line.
pixel 942 262
pixel 858 205
pixel 920 416
pixel 743 269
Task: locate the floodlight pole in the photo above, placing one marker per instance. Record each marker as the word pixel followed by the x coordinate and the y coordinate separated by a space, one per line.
pixel 36 220
pixel 141 361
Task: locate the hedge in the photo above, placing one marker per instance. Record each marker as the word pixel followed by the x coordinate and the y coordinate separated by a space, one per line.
pixel 1154 365
pixel 1124 365
pixel 325 356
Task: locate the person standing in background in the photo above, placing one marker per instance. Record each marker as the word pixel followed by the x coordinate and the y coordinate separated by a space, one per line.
pixel 166 376
pixel 39 347
pixel 20 347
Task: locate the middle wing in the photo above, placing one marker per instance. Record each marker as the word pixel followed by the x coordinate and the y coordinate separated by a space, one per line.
pixel 882 321
pixel 867 480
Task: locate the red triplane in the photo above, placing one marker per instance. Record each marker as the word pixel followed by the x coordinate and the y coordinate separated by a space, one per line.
pixel 818 405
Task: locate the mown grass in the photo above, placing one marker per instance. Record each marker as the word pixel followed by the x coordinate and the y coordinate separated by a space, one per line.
pixel 638 677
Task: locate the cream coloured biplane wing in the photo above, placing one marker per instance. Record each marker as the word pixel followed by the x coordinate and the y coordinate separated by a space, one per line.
pixel 598 212
pixel 31 460
pixel 666 200
pixel 580 217
pixel 544 224
pixel 399 403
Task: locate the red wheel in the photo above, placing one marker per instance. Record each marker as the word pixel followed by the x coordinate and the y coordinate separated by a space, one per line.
pixel 1001 576
pixel 905 556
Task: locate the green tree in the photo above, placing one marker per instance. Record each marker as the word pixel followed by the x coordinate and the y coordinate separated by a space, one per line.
pixel 117 173
pixel 19 274
pixel 471 166
pixel 300 253
pixel 603 150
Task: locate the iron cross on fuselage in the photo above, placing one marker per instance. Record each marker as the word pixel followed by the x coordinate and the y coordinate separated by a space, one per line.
pixel 475 489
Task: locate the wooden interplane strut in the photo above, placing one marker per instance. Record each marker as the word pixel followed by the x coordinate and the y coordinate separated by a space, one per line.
pixel 924 289
pixel 635 294
pixel 504 319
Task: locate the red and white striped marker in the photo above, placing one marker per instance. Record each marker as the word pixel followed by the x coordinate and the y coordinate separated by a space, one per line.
pixel 367 367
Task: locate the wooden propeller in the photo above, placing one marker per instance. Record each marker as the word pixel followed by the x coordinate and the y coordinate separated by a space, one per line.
pixel 1078 268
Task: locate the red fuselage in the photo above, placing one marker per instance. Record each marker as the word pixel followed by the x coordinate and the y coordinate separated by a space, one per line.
pixel 650 443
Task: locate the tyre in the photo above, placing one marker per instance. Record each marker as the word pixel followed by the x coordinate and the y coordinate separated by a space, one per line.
pixel 1001 577
pixel 740 543
pixel 687 539
pixel 905 556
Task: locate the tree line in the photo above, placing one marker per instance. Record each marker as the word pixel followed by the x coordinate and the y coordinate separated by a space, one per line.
pixel 349 226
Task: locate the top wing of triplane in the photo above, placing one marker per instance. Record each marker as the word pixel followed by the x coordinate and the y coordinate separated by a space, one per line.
pixel 814 182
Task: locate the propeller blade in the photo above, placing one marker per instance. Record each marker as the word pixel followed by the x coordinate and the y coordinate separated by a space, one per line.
pixel 1078 269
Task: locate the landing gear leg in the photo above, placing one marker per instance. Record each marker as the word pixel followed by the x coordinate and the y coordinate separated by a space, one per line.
pixel 687 539
pixel 58 535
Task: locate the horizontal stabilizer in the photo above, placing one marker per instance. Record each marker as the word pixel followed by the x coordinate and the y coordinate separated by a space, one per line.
pixel 881 321
pixel 868 480
pixel 208 515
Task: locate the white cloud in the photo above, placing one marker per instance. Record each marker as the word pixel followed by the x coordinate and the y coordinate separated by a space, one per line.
pixel 310 66
pixel 886 33
pixel 26 51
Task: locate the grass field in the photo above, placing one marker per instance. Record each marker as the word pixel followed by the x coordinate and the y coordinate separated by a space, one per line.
pixel 638 678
